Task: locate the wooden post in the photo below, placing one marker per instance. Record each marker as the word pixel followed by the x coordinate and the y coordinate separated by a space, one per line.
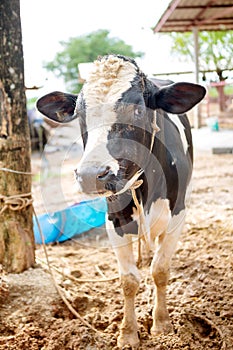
pixel 197 110
pixel 16 228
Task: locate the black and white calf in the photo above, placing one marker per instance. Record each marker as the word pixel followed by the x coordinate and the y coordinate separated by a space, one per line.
pixel 134 129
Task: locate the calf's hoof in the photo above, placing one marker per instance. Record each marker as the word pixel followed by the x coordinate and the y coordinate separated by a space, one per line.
pixel 131 339
pixel 159 327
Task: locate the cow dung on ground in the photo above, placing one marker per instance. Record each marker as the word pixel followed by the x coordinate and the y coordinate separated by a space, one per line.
pixel 33 316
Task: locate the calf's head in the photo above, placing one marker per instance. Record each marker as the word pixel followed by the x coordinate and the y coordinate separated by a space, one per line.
pixel 116 111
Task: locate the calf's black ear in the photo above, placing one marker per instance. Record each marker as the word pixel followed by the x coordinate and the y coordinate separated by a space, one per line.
pixel 178 98
pixel 58 106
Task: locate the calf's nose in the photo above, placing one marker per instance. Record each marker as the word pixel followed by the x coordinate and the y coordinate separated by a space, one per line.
pixel 104 174
pixel 94 179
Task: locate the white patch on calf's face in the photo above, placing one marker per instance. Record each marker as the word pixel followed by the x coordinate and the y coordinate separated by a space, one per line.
pixel 96 152
pixel 96 155
pixel 105 85
pixel 109 79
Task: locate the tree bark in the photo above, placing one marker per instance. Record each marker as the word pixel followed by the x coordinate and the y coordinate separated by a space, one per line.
pixel 16 227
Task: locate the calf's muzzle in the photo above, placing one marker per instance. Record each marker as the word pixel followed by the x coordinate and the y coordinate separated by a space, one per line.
pixel 95 179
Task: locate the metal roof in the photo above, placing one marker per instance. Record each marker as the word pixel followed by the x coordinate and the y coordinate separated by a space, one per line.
pixel 183 15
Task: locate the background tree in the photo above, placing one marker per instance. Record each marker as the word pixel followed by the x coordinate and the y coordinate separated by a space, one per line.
pixel 16 229
pixel 215 54
pixel 85 48
pixel 215 50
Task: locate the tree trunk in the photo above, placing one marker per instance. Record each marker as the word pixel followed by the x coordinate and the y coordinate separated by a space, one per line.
pixel 16 228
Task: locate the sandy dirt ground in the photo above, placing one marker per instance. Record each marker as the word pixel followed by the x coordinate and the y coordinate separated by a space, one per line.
pixel 199 295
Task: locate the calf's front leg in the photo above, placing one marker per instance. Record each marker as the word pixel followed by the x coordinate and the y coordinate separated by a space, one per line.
pixel 130 278
pixel 129 327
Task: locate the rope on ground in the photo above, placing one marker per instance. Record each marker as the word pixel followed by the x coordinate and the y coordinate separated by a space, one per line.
pixel 79 280
pixel 58 289
pixel 89 246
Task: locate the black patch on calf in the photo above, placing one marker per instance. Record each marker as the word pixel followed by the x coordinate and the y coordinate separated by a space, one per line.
pixel 187 130
pixel 167 170
pixel 120 210
pixel 176 166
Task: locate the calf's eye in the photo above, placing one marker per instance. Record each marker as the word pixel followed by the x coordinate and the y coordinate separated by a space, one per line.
pixel 138 112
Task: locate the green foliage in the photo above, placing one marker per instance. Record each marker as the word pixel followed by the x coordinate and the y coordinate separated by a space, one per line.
pixel 215 49
pixel 83 49
pixel 31 102
pixel 228 91
pixel 212 92
pixel 182 45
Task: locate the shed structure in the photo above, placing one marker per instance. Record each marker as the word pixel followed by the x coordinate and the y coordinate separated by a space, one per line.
pixel 195 16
